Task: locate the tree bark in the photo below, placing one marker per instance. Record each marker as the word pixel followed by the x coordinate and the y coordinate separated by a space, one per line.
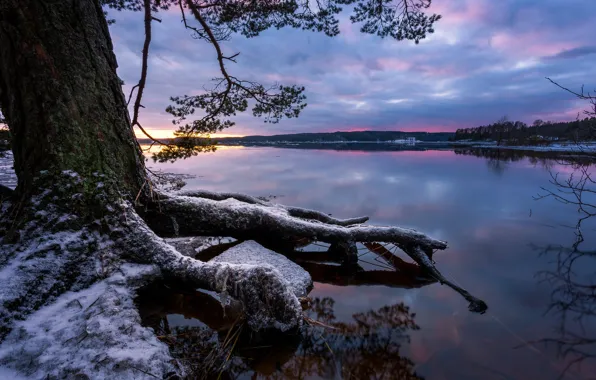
pixel 61 95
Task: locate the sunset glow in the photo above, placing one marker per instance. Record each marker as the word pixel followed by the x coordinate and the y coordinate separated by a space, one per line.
pixel 486 59
pixel 169 133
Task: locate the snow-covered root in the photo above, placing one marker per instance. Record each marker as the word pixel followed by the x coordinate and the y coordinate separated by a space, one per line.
pixel 67 299
pixel 197 216
pixel 266 296
pixel 243 217
pixel 297 212
pixel 67 285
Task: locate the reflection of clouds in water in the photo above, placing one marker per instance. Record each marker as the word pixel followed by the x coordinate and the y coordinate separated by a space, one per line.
pixel 437 190
pixel 395 179
pixel 484 218
pixel 439 234
pixel 358 176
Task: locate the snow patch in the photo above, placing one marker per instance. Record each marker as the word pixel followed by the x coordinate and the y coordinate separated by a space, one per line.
pixel 8 177
pixel 96 332
pixel 252 253
pixel 583 148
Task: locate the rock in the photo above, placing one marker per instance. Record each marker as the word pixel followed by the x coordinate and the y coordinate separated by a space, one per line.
pixel 252 253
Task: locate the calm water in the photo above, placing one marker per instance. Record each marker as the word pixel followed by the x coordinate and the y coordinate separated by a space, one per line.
pixel 498 238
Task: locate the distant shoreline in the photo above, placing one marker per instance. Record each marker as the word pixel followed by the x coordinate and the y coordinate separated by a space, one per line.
pixel 555 149
pixel 579 148
pixel 584 148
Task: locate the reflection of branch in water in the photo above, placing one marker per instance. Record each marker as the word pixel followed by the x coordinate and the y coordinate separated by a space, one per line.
pixel 369 346
pixel 497 159
pixel 423 259
pixel 573 298
pixel 183 148
pixel 573 301
pixel 366 347
pixel 577 189
pixel 354 275
pixel 405 275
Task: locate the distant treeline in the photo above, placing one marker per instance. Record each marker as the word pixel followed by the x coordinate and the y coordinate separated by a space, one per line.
pixel 540 132
pixel 344 136
pixel 364 136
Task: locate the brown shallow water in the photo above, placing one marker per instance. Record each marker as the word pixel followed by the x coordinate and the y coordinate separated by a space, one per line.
pixel 503 244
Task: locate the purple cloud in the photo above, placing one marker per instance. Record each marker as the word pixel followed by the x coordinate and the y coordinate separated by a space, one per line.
pixel 486 59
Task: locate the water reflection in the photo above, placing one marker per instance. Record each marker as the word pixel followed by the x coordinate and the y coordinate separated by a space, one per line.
pixel 497 160
pixel 573 302
pixel 573 280
pixel 492 224
pixel 366 347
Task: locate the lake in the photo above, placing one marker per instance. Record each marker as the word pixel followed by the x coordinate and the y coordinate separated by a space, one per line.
pixel 503 245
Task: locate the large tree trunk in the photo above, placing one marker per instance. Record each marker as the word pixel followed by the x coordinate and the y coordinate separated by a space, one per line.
pixel 60 93
pixel 73 245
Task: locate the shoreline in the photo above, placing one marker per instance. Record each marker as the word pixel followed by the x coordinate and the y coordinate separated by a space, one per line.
pixel 585 148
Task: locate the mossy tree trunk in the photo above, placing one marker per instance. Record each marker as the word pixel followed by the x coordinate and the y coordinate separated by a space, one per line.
pixel 61 95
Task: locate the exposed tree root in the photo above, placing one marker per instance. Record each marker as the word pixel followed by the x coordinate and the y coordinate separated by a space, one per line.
pixel 476 305
pixel 267 299
pixel 197 216
pixel 67 286
pixel 61 260
pixel 207 213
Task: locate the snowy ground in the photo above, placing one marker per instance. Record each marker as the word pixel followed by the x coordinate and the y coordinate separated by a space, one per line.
pixel 585 148
pixel 567 148
pixel 94 331
pixel 7 175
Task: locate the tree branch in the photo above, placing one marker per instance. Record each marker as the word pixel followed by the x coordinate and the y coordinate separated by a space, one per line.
pixel 144 68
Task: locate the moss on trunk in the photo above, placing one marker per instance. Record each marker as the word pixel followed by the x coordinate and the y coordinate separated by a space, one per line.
pixel 61 95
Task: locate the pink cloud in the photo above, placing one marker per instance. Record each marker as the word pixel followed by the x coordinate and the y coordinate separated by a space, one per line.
pixel 472 11
pixel 426 128
pixel 288 79
pixel 344 129
pixel 393 64
pixel 564 115
pixel 348 31
pixel 531 44
pixel 440 71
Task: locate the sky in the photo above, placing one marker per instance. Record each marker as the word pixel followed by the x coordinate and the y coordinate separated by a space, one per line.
pixel 486 59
